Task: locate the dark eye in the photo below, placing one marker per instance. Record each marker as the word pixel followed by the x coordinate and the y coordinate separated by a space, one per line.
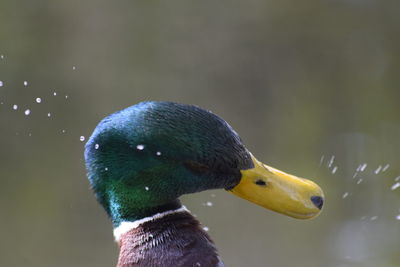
pixel 196 167
pixel 260 182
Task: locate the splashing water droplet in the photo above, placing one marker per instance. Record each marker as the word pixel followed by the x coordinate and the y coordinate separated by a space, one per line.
pixel 140 147
pixel 358 168
pixel 82 138
pixel 106 169
pixel 49 114
pixel 346 194
pixel 15 107
pixel 158 153
pixel 385 168
pixel 25 83
pixel 73 68
pixel 96 146
pixel 363 167
pixel 209 204
pixel 55 93
pixel 66 96
pixel 205 228
pixel 359 181
pixel 395 186
pixel 397 178
pixel 63 131
pixel 378 169
pixel 321 160
pixel 2 56
pixel 398 217
pixel 373 218
pixel 334 169
pixel 146 188
pixel 38 100
pixel 1 83
pixel 27 112
pixel 331 161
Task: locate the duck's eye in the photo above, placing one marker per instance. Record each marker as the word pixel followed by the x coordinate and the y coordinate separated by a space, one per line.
pixel 196 167
pixel 260 182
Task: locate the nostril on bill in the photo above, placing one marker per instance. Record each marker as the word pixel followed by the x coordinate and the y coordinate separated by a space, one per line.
pixel 317 201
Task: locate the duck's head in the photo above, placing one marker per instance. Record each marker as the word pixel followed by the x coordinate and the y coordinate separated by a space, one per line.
pixel 141 159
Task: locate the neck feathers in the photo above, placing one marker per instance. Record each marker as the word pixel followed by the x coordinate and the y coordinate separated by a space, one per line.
pixel 172 238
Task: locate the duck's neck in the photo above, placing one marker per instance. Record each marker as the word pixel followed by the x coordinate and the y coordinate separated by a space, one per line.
pixel 169 238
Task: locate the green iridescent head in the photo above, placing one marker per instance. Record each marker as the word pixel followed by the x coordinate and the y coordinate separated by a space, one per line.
pixel 141 159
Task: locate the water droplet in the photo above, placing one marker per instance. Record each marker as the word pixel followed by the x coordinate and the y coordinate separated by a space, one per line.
pixel 378 169
pixel 358 168
pixel 140 147
pixel 55 93
pixel 2 56
pixel 27 112
pixel 363 167
pixel 146 188
pixel 321 160
pixel 398 217
pixel 38 100
pixel 63 131
pixel 15 107
pixel 331 161
pixel 359 181
pixel 1 83
pixel 397 178
pixel 158 153
pixel 334 169
pixel 66 96
pixel 106 169
pixel 209 204
pixel 96 146
pixel 205 228
pixel 82 138
pixel 30 134
pixel 49 114
pixel 73 68
pixel 346 194
pixel 373 218
pixel 385 168
pixel 213 195
pixel 395 186
pixel 25 83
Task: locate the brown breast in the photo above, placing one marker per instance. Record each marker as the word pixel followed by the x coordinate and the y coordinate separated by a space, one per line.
pixel 174 240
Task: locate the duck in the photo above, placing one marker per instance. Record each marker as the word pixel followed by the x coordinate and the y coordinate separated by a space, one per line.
pixel 141 159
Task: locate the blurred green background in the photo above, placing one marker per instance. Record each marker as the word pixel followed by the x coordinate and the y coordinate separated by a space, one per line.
pixel 300 81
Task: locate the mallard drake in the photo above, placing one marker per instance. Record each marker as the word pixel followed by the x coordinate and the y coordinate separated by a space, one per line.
pixel 141 159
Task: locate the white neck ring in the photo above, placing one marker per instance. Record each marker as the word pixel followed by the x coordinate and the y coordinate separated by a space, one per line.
pixel 126 226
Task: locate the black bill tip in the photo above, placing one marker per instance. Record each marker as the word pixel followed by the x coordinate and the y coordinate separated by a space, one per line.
pixel 317 201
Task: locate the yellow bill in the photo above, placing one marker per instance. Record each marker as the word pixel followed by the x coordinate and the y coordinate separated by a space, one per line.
pixel 279 191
